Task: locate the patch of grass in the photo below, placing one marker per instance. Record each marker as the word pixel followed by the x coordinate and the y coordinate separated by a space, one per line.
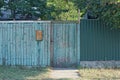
pixel 58 79
pixel 23 73
pixel 99 74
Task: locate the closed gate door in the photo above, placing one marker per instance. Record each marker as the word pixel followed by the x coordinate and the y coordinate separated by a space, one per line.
pixel 64 44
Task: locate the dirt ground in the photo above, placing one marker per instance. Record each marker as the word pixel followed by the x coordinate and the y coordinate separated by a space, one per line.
pixel 60 73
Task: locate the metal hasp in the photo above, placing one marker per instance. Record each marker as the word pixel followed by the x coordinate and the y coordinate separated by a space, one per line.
pixel 39 35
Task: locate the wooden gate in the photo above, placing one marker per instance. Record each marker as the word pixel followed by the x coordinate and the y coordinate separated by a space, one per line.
pixel 37 43
pixel 64 44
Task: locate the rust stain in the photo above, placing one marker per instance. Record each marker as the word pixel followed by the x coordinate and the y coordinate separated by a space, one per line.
pixel 39 35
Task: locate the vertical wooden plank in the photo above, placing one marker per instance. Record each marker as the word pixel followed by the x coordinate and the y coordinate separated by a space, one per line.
pixel 71 42
pixel 41 48
pixel 55 45
pixel 64 44
pixel 10 38
pixel 45 44
pixel 75 42
pixel 2 51
pixel 59 55
pixel 78 43
pixel 26 45
pixel 67 43
pixel 0 44
pixel 42 45
pixel 8 42
pixel 22 43
pixel 37 48
pixel 52 50
pixel 28 51
pixel 51 43
pixel 10 34
pixel 48 55
pixel 30 45
pixel 33 44
pixel 2 47
pixel 12 44
pixel 17 43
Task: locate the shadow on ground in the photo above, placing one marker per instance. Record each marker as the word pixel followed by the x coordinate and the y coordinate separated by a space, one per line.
pixel 22 73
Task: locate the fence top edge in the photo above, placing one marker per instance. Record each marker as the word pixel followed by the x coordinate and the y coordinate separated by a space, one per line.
pixel 69 21
pixel 49 21
pixel 39 22
pixel 24 21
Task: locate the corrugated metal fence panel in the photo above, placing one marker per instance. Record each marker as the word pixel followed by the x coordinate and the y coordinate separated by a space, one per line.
pixel 18 45
pixel 65 44
pixel 98 41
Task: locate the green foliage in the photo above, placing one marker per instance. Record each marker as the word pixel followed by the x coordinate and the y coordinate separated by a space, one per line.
pixel 36 8
pixel 111 14
pixel 62 10
pixel 65 9
pixel 106 10
pixel 43 9
pixel 1 5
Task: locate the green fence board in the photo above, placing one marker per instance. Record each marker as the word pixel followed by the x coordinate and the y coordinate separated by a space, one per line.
pixel 99 42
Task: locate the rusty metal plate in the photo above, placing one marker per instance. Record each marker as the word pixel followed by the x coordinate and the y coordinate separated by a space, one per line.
pixel 39 36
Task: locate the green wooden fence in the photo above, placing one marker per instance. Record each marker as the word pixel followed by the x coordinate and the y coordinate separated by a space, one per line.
pixel 64 44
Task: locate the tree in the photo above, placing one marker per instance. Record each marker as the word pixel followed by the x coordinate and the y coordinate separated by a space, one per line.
pixel 1 5
pixel 62 10
pixel 27 8
pixel 106 10
pixel 43 9
pixel 110 13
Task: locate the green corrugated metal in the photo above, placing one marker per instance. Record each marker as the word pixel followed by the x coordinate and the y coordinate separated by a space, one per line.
pixel 99 42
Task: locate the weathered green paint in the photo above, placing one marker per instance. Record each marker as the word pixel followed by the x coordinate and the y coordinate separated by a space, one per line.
pixel 65 44
pixel 18 45
pixel 99 42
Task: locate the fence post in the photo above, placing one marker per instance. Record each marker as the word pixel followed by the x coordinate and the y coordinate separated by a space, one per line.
pixel 51 45
pixel 78 37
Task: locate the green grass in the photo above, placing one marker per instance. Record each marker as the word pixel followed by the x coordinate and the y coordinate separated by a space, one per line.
pixel 22 73
pixel 99 74
pixel 58 79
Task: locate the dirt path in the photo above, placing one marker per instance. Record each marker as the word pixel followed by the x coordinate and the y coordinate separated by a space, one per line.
pixel 59 73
